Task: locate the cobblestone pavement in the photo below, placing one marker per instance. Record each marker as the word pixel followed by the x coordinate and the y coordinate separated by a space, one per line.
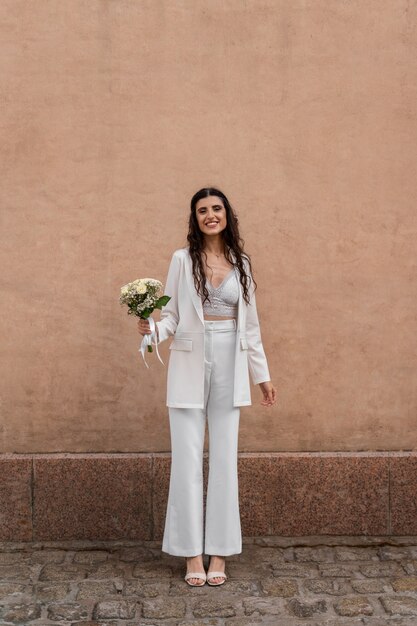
pixel 284 581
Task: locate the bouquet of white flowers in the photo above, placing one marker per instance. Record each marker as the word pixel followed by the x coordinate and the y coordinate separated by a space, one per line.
pixel 142 297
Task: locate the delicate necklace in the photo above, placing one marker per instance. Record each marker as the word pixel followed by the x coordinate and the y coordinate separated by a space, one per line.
pixel 217 255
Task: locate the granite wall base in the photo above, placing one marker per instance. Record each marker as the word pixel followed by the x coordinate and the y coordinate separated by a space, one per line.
pixel 55 497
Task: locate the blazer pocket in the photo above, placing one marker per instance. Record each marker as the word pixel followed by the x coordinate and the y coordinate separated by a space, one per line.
pixel 181 344
pixel 243 343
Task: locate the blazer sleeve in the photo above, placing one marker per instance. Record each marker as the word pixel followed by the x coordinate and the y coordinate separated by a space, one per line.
pixel 257 362
pixel 169 313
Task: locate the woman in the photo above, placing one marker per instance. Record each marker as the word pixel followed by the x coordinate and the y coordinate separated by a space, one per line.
pixel 217 341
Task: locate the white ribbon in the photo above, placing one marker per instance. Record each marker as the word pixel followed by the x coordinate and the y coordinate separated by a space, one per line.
pixel 147 341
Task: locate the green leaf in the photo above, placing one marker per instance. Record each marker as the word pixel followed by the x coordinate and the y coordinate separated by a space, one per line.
pixel 162 301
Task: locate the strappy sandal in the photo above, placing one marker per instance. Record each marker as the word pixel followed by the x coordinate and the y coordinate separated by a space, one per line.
pixel 216 575
pixel 211 575
pixel 200 575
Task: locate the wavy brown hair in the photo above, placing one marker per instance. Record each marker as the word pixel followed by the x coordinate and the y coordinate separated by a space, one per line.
pixel 231 239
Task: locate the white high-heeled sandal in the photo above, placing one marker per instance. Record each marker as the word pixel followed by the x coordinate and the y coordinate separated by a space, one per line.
pixel 216 575
pixel 211 575
pixel 199 575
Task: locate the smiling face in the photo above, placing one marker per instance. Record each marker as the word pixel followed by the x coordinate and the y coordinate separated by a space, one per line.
pixel 211 215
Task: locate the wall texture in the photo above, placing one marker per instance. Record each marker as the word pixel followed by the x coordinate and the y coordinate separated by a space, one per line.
pixel 114 112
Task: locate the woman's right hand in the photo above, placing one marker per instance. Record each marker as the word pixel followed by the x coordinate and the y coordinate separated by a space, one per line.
pixel 144 327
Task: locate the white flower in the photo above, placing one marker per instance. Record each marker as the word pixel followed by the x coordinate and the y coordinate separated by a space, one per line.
pixel 141 287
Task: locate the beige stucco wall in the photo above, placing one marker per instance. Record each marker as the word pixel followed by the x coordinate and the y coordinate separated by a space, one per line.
pixel 113 114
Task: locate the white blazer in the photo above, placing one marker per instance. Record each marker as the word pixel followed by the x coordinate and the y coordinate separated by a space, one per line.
pixel 183 317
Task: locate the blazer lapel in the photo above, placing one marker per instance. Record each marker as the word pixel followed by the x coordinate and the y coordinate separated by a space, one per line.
pixel 191 287
pixel 195 297
pixel 241 301
pixel 241 304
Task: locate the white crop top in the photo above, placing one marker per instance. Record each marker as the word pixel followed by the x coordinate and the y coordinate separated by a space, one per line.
pixel 224 298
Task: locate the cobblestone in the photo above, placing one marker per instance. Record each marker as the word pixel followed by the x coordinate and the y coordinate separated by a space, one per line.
pixel 400 605
pixel 279 587
pixel 280 581
pixel 353 606
pixel 408 583
pixel 306 609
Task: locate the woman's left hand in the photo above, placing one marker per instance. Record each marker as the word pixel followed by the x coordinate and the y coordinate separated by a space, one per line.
pixel 269 393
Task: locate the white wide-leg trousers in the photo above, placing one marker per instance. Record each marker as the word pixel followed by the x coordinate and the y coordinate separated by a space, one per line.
pixel 184 523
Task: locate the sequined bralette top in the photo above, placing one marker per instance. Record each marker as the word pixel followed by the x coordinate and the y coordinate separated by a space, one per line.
pixel 224 298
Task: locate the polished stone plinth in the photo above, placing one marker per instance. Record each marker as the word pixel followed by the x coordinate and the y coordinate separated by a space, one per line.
pixel 124 496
